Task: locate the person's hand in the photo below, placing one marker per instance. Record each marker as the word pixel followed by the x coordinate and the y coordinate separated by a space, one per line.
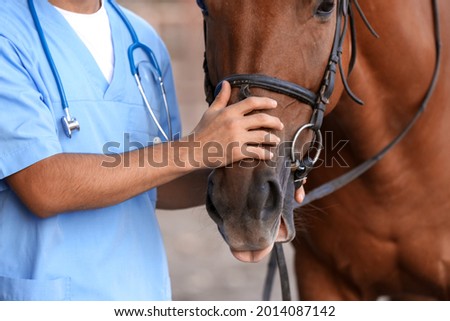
pixel 230 134
pixel 300 195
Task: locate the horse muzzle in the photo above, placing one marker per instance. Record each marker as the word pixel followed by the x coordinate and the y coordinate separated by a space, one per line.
pixel 249 211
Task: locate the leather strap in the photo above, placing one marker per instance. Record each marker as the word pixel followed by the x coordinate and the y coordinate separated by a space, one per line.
pixel 341 181
pixel 277 257
pixel 336 184
pixel 270 83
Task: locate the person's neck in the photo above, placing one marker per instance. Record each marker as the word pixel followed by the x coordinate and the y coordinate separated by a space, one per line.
pixel 78 6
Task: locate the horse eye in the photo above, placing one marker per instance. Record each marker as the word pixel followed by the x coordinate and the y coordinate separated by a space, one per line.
pixel 325 8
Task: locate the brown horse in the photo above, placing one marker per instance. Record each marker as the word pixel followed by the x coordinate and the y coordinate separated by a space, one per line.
pixel 387 232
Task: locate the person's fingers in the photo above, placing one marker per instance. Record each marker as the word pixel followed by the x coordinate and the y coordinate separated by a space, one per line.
pixel 255 103
pixel 300 195
pixel 262 120
pixel 258 137
pixel 223 97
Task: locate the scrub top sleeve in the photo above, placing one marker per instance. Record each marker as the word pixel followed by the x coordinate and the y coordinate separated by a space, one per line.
pixel 27 124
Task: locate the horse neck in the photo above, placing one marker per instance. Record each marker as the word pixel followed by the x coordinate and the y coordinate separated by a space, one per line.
pixel 393 73
pixel 392 76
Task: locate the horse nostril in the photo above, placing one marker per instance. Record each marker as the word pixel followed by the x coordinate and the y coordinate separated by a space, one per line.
pixel 210 207
pixel 272 197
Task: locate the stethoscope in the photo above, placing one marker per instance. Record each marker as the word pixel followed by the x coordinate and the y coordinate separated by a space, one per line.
pixel 69 123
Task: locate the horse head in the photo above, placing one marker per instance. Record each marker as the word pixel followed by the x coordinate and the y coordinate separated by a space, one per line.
pixel 289 51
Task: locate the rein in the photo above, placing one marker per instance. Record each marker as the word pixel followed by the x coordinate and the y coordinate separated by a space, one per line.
pixel 341 181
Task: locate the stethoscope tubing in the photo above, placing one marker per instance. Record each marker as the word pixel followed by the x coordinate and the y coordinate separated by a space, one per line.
pixel 48 55
pixel 148 106
pixel 68 122
pixel 136 44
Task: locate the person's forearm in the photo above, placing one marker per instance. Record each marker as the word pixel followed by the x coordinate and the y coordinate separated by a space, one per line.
pixel 184 192
pixel 70 182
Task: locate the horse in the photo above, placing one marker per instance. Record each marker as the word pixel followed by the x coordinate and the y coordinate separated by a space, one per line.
pixel 367 82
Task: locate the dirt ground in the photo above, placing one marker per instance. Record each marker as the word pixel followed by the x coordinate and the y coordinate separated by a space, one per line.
pixel 201 266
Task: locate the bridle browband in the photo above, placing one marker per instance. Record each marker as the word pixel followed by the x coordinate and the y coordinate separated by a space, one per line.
pixel 318 102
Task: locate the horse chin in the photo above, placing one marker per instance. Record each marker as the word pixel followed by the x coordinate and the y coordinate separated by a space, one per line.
pixel 254 256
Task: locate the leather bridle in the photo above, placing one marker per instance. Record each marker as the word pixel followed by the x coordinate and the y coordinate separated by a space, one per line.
pixel 339 182
pixel 318 102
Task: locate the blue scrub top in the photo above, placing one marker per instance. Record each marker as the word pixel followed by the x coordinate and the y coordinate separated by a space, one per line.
pixel 114 253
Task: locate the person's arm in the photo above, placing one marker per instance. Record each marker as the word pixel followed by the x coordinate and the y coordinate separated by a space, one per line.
pixel 184 192
pixel 69 182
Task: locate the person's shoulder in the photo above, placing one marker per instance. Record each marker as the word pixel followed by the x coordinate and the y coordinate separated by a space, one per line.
pixel 147 34
pixel 13 8
pixel 142 26
pixel 13 14
pixel 15 20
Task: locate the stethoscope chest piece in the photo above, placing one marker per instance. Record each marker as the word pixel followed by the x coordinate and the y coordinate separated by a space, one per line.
pixel 69 125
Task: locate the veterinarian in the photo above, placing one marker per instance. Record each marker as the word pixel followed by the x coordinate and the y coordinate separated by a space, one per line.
pixel 89 127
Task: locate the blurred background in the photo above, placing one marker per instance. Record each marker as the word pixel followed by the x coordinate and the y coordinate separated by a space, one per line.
pixel 201 265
